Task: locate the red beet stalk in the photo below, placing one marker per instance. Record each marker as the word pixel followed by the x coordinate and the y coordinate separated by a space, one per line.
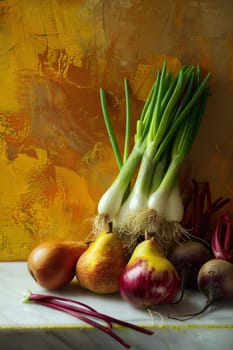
pixel 199 209
pixel 222 238
pixel 81 311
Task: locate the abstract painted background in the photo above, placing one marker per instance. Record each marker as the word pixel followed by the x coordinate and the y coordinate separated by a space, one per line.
pixel 55 158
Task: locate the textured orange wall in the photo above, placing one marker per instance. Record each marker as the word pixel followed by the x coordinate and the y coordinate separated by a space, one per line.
pixel 55 157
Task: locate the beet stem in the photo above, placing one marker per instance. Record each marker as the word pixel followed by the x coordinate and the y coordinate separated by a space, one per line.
pixel 90 312
pixel 228 232
pixel 200 208
pixel 87 320
pixel 219 203
pixel 190 316
pixel 70 306
pixel 221 242
pixel 35 297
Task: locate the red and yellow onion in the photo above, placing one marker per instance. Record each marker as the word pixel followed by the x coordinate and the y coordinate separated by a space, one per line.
pixel 149 278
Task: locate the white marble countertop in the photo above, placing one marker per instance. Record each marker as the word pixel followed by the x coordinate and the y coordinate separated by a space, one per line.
pixel 25 325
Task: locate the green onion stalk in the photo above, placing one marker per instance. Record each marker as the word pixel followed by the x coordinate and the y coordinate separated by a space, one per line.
pixel 145 196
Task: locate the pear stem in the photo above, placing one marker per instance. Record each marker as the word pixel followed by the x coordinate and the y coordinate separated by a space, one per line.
pixel 109 227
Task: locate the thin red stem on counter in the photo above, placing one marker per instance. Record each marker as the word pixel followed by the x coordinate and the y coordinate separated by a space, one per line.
pixel 78 309
pixel 87 320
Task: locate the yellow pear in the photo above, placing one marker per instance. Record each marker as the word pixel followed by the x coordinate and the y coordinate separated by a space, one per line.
pixel 100 266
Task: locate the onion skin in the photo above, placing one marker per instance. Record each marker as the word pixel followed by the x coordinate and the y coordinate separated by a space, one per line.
pixel 215 280
pixel 52 264
pixel 149 279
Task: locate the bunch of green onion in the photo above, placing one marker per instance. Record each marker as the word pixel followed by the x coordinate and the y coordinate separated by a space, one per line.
pixel 146 190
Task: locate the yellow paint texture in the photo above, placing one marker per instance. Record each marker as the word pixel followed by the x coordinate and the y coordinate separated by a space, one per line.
pixel 44 124
pixel 55 157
